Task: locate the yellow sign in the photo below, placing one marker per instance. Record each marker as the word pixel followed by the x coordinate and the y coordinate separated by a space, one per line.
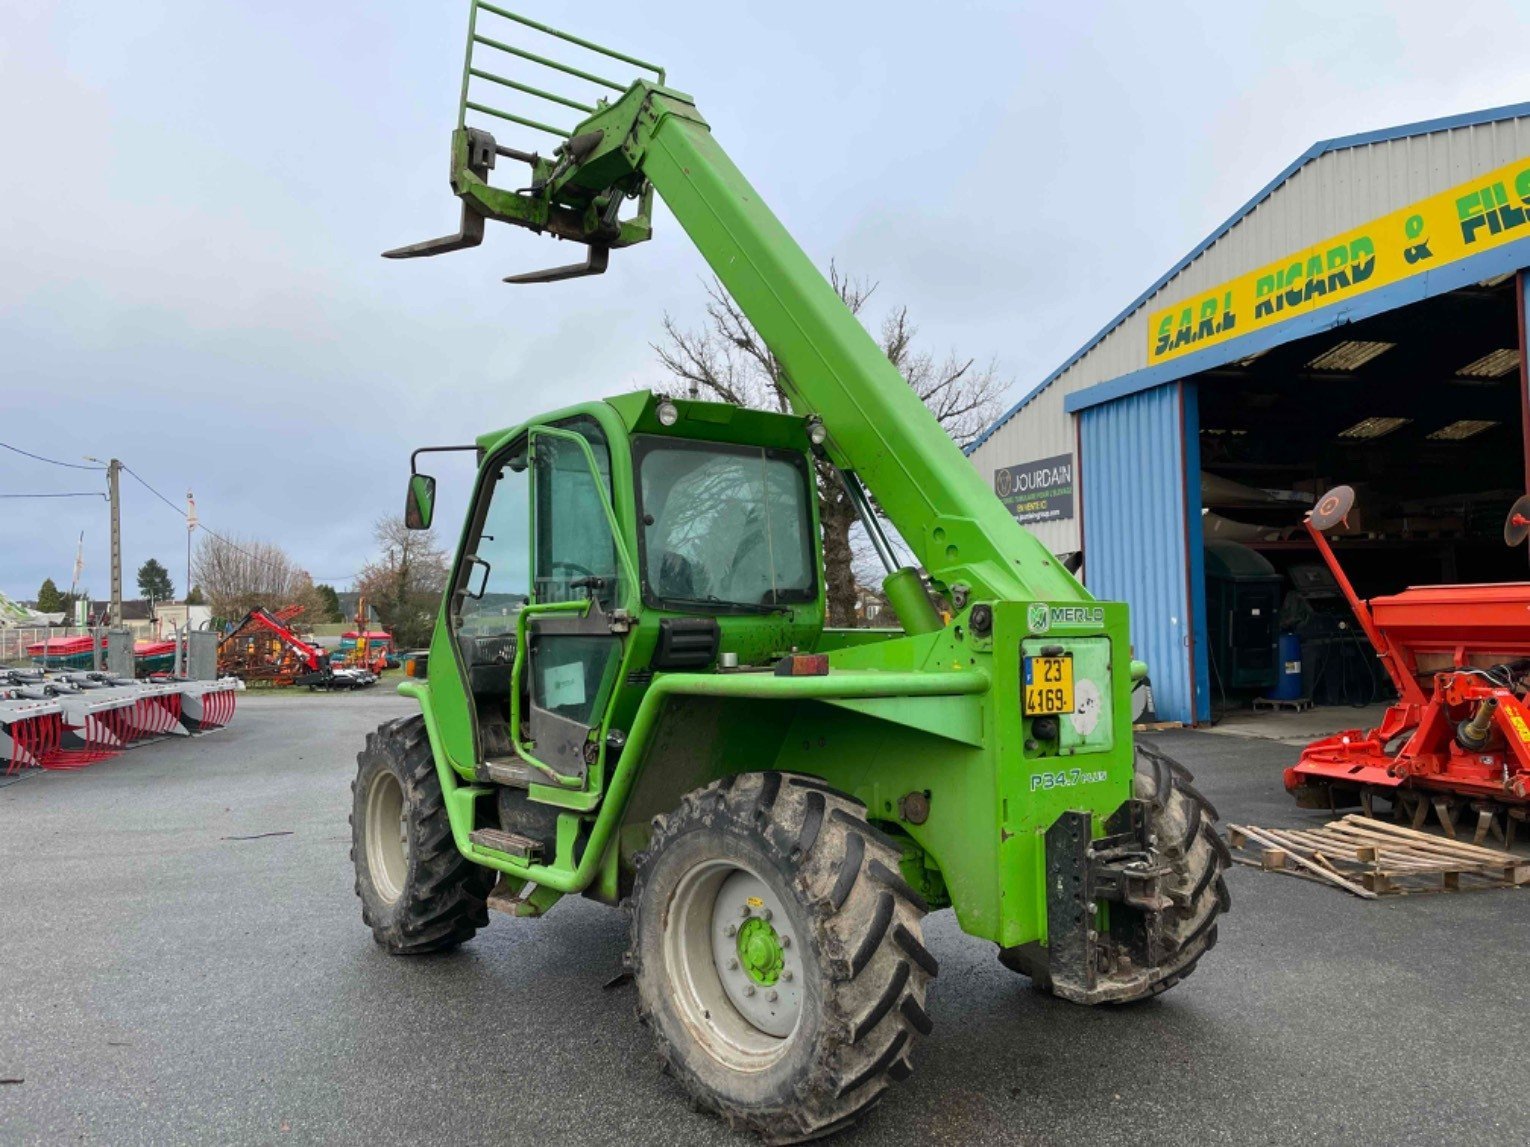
pixel 1485 213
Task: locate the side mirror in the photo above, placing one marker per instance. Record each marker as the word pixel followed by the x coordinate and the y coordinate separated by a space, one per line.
pixel 420 503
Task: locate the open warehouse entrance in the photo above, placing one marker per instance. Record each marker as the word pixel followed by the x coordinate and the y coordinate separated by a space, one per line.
pixel 1421 411
pixel 1359 321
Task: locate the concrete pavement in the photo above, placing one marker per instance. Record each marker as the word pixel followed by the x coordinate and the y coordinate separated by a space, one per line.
pixel 182 961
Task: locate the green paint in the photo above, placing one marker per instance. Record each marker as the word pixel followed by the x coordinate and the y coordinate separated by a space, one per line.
pixel 910 602
pixel 760 952
pixel 933 708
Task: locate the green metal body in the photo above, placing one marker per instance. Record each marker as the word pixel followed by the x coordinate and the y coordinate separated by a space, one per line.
pixel 924 724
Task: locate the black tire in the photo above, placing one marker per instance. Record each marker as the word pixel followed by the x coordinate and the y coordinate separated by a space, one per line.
pixel 433 898
pixel 864 969
pixel 1184 823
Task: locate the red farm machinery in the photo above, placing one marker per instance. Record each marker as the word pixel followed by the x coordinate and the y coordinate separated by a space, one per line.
pixel 263 648
pixel 1457 739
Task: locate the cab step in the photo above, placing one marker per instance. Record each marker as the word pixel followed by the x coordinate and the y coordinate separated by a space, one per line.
pixel 510 843
pixel 530 901
pixel 511 772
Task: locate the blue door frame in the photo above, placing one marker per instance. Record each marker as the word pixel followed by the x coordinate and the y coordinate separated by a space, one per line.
pixel 1140 476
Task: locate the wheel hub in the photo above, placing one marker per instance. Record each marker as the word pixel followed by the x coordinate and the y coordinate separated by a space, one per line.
pixel 759 951
pixel 735 965
pixel 760 972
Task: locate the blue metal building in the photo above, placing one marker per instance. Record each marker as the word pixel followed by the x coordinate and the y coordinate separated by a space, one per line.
pixel 1360 319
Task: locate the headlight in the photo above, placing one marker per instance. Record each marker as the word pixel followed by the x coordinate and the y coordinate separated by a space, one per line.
pixel 668 412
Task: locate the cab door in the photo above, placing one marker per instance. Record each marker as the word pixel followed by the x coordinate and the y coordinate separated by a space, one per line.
pixel 567 678
pixel 491 584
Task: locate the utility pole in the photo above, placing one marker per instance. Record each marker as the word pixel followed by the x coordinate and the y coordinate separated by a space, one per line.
pixel 113 470
pixel 191 525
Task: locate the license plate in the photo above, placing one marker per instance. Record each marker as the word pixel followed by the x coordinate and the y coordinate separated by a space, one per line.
pixel 1048 685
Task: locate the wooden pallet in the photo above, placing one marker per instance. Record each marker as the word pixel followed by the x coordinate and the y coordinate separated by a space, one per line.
pixel 1372 858
pixel 1501 822
pixel 1300 705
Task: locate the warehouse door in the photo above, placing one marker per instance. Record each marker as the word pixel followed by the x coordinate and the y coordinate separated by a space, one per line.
pixel 1142 535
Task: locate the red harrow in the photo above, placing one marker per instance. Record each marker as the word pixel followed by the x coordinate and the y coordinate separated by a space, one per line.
pixel 1457 740
pixel 72 720
pixel 34 734
pixel 207 705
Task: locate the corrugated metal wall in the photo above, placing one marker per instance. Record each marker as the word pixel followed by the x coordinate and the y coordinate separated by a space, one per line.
pixel 1140 537
pixel 1327 194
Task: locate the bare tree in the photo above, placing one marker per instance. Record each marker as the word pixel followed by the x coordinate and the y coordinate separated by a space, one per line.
pixel 726 359
pixel 405 581
pixel 236 575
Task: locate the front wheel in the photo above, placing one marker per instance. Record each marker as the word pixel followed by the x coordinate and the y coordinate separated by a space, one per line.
pixel 778 955
pixel 418 893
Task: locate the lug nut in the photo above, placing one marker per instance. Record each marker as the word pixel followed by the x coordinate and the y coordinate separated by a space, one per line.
pixel 743 910
pixel 732 965
pixel 731 930
pixel 765 915
pixel 786 941
pixel 749 990
pixel 772 996
pixel 787 975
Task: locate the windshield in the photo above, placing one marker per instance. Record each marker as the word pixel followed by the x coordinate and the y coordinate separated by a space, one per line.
pixel 724 524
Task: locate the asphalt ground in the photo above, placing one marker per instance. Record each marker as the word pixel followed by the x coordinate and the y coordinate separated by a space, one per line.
pixel 170 973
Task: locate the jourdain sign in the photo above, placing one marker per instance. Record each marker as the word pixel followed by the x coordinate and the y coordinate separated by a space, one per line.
pixel 1489 211
pixel 1039 491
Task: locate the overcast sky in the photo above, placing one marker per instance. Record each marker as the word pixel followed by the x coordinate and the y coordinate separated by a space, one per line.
pixel 193 197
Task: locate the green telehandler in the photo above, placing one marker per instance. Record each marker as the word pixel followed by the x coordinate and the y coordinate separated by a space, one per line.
pixel 631 693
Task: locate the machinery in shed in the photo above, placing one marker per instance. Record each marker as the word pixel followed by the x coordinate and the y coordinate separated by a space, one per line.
pixel 1243 597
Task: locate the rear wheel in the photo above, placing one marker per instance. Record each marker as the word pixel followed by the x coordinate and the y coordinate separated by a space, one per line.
pixel 1184 823
pixel 778 955
pixel 418 893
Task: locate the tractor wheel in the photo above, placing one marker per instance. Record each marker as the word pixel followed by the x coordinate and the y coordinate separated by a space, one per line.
pixel 418 893
pixel 778 955
pixel 1185 824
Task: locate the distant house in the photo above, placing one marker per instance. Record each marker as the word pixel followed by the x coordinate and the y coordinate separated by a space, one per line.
pixel 146 620
pixel 871 608
pixel 171 615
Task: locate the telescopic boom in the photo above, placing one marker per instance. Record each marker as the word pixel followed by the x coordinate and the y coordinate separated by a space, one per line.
pixel 879 432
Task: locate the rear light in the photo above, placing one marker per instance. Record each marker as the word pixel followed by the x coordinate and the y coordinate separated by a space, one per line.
pixel 415 666
pixel 803 665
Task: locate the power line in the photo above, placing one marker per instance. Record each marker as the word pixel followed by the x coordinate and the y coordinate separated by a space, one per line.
pixel 77 494
pixel 214 533
pixel 50 461
pixel 178 510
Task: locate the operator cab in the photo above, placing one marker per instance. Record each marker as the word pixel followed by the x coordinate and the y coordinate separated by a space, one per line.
pixel 595 518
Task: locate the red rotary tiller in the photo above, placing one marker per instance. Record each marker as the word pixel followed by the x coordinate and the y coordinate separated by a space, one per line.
pixel 1458 737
